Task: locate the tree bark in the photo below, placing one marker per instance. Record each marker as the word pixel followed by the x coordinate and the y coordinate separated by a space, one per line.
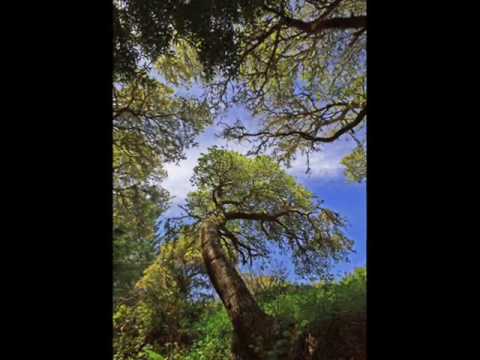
pixel 252 327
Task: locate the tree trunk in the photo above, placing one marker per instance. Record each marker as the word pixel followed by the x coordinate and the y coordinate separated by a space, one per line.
pixel 254 330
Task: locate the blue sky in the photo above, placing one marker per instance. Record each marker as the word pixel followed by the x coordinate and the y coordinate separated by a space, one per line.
pixel 326 181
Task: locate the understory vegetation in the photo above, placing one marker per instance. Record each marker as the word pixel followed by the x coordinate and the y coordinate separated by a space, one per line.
pixel 333 315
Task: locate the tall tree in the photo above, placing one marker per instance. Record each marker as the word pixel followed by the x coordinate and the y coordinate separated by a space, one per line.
pixel 152 124
pixel 135 212
pixel 246 205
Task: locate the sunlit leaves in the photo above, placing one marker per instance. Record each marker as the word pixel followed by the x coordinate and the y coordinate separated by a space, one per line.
pixel 356 165
pixel 151 125
pixel 164 304
pixel 182 67
pixel 261 204
pixel 303 86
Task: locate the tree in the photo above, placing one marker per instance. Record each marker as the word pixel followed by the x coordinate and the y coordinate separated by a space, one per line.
pixel 298 65
pixel 145 30
pixel 247 205
pixel 164 303
pixel 135 213
pixel 302 73
pixel 151 125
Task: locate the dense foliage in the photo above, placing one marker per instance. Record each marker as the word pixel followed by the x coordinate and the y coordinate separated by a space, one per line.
pixel 146 29
pixel 152 124
pixel 164 303
pixel 302 75
pixel 261 204
pixel 320 308
pixel 299 66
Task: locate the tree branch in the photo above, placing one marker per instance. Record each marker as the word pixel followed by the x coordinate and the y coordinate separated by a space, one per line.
pixel 238 215
pixel 319 25
pixel 358 119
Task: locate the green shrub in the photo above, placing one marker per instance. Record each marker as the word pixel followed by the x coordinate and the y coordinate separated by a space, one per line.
pixel 214 331
pixel 141 328
pixel 308 304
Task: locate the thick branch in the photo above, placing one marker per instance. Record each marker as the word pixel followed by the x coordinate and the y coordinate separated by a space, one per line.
pixel 238 215
pixel 310 137
pixel 346 128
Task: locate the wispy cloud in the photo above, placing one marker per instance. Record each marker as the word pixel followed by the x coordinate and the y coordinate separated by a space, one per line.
pixel 324 164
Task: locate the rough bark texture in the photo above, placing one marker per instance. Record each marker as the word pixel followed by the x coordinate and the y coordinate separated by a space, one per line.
pixel 257 336
pixel 253 328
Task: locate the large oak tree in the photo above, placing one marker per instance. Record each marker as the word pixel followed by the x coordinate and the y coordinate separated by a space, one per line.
pixel 246 206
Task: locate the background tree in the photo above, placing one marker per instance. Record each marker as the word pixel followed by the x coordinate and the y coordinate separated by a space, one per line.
pixel 246 205
pixel 135 213
pixel 152 124
pixel 164 304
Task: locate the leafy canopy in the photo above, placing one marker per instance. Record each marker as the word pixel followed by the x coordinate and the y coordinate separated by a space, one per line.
pixel 152 124
pixel 257 203
pixel 302 74
pixel 299 66
pixel 356 165
pixel 145 29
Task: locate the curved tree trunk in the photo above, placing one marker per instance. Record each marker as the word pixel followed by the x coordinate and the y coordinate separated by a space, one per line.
pixel 253 328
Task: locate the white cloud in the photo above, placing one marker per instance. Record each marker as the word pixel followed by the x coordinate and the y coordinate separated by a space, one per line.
pixel 324 164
